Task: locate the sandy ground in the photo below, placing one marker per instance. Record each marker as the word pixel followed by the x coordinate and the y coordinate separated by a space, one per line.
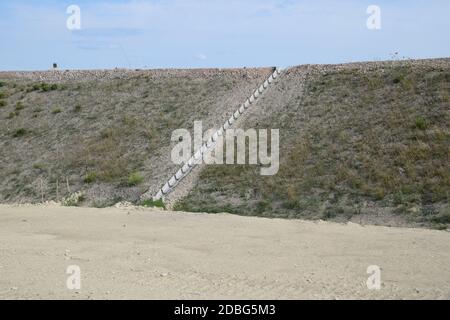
pixel 141 253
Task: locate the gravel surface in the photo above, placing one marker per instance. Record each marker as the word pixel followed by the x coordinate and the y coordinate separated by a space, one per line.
pixel 132 253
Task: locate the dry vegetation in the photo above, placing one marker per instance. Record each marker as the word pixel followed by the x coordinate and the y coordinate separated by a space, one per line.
pixel 107 137
pixel 367 142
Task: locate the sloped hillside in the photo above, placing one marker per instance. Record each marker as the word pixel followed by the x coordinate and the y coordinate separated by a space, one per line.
pixel 104 133
pixel 366 142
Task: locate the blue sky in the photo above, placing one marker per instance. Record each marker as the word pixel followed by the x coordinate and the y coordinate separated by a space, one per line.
pixel 217 33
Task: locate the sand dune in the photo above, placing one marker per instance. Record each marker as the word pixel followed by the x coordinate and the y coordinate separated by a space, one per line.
pixel 142 253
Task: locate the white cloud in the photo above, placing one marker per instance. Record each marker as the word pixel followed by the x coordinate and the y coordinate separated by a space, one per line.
pixel 201 56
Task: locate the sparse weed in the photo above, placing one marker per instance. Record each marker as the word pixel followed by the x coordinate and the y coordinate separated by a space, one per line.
pixel 154 204
pixel 74 200
pixel 134 179
pixel 45 87
pixel 19 132
pixel 12 115
pixel 90 177
pixel 49 87
pixel 56 110
pixel 39 166
pixel 421 123
pixel 19 106
pixel 443 220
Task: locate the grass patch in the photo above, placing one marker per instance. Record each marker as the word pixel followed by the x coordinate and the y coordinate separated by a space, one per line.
pixel 19 106
pixel 19 132
pixel 134 179
pixel 440 227
pixel 154 204
pixel 39 166
pixel 49 87
pixel 90 177
pixel 44 87
pixel 421 123
pixel 12 115
pixel 444 218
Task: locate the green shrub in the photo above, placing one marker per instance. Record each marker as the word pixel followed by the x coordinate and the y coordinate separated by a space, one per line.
pixel 154 204
pixel 2 84
pixel 3 103
pixel 90 177
pixel 12 115
pixel 19 106
pixel 134 179
pixel 77 108
pixel 442 218
pixel 45 87
pixel 19 132
pixel 39 166
pixel 421 123
pixel 3 95
pixel 261 207
pixel 332 212
pixel 398 198
pixel 398 78
pixel 439 227
pixel 56 110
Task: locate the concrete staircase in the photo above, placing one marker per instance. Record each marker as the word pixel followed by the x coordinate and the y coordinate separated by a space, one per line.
pixel 172 183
